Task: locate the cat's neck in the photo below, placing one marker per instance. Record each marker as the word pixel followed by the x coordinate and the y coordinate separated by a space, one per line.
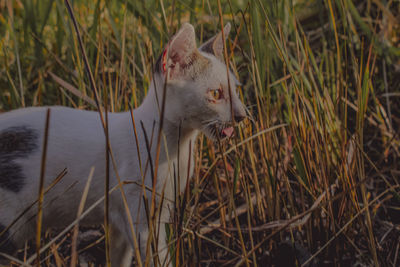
pixel 178 135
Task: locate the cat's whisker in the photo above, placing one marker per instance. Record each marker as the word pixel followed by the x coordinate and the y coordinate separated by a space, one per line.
pixel 249 115
pixel 210 122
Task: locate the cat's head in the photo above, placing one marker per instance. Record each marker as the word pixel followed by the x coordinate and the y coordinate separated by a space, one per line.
pixel 201 91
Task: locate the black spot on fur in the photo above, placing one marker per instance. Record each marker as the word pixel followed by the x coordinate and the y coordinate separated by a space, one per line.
pixel 6 246
pixel 11 177
pixel 15 142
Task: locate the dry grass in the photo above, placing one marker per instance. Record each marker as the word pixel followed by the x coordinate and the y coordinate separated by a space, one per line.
pixel 313 179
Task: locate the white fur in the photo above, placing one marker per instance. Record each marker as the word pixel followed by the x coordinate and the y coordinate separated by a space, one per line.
pixel 77 142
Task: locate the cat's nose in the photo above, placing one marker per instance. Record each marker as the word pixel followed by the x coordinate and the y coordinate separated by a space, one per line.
pixel 239 117
pixel 239 112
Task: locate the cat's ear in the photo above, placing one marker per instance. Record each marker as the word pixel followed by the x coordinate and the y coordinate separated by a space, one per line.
pixel 215 45
pixel 181 57
pixel 182 44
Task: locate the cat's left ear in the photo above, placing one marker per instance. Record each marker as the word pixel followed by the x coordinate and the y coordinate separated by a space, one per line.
pixel 181 58
pixel 215 45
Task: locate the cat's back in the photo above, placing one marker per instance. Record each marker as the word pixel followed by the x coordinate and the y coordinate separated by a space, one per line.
pixel 75 137
pixel 65 124
pixel 36 116
pixel 14 117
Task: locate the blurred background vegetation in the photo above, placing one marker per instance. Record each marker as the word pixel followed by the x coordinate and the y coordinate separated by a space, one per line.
pixel 313 180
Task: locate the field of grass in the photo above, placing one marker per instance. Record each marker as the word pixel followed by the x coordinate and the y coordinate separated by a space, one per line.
pixel 312 180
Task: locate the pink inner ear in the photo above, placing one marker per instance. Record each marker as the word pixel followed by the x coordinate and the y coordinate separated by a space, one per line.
pixel 164 60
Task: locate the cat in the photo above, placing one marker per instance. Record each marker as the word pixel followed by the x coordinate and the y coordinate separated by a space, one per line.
pixel 200 96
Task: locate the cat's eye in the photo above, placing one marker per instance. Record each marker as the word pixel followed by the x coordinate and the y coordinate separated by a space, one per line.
pixel 216 93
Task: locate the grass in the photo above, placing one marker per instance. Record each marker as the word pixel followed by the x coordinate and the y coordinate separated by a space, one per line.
pixel 315 176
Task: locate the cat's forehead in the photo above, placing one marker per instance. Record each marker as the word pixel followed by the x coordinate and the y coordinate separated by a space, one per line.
pixel 216 74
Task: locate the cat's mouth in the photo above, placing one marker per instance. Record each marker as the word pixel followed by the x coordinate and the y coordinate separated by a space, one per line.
pixel 219 131
pixel 227 132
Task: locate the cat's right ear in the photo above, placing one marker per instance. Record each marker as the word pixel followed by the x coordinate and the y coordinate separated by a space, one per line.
pixel 215 45
pixel 181 54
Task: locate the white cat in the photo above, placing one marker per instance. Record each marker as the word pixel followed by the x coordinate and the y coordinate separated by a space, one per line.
pixel 197 99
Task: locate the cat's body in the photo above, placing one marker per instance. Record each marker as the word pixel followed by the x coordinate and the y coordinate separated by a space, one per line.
pixel 76 141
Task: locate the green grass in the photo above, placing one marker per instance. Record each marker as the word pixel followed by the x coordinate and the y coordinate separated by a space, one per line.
pixel 315 175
